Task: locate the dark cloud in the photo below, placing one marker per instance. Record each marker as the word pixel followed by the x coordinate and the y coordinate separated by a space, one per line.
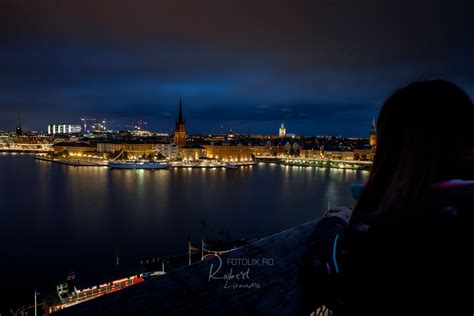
pixel 249 64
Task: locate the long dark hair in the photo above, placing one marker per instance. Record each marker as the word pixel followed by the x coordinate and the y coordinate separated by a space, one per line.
pixel 424 135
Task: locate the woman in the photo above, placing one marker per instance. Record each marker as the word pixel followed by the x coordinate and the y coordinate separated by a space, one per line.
pixel 406 249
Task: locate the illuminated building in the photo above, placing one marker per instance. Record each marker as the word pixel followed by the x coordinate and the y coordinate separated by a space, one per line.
pixel 373 134
pixel 282 131
pixel 63 129
pixel 74 147
pixel 229 152
pixel 311 153
pixel 180 132
pixel 338 154
pixel 262 151
pixel 138 149
pixel 364 154
pixel 168 150
pixel 192 152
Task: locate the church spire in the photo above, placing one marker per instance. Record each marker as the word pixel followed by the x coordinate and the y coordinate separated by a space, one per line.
pixel 282 130
pixel 180 131
pixel 373 129
pixel 373 134
pixel 180 113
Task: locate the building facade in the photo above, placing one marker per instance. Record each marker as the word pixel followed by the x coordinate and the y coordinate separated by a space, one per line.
pixel 137 150
pixel 364 154
pixel 63 129
pixel 338 154
pixel 262 151
pixel 229 152
pixel 168 150
pixel 311 153
pixel 187 153
pixel 74 147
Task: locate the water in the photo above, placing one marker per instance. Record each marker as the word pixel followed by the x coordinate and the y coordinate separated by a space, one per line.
pixel 57 218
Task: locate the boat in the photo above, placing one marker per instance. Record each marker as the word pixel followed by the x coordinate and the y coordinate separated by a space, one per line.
pixel 68 295
pixel 138 164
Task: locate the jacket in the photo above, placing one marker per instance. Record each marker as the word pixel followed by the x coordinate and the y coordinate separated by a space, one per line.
pixel 414 266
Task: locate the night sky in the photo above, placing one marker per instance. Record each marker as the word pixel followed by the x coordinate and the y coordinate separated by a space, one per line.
pixel 323 67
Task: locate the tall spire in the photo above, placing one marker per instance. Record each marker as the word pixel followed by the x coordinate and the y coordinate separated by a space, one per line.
pixel 282 130
pixel 180 130
pixel 180 114
pixel 373 128
pixel 373 134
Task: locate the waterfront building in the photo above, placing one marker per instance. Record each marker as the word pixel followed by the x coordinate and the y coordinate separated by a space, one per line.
pixel 365 154
pixel 262 151
pixel 74 147
pixel 311 153
pixel 373 134
pixel 180 131
pixel 282 131
pixel 229 152
pixel 136 149
pixel 194 152
pixel 7 138
pixel 169 150
pixel 338 154
pixel 63 129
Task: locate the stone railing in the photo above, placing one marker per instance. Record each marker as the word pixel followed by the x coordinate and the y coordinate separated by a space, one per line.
pixel 259 278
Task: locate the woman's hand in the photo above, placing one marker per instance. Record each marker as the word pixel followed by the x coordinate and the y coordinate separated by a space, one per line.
pixel 342 212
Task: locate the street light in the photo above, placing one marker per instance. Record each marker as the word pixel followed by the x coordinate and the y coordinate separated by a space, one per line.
pixel 36 309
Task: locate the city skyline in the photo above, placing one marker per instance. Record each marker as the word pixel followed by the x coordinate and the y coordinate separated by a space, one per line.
pixel 244 68
pixel 100 125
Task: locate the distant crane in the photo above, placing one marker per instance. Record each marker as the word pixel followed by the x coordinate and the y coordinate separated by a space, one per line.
pixel 85 119
pixel 140 125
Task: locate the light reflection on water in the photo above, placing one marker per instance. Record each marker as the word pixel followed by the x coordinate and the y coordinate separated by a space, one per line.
pixel 57 218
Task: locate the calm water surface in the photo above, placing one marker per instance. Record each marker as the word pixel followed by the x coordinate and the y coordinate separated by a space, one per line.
pixel 57 218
